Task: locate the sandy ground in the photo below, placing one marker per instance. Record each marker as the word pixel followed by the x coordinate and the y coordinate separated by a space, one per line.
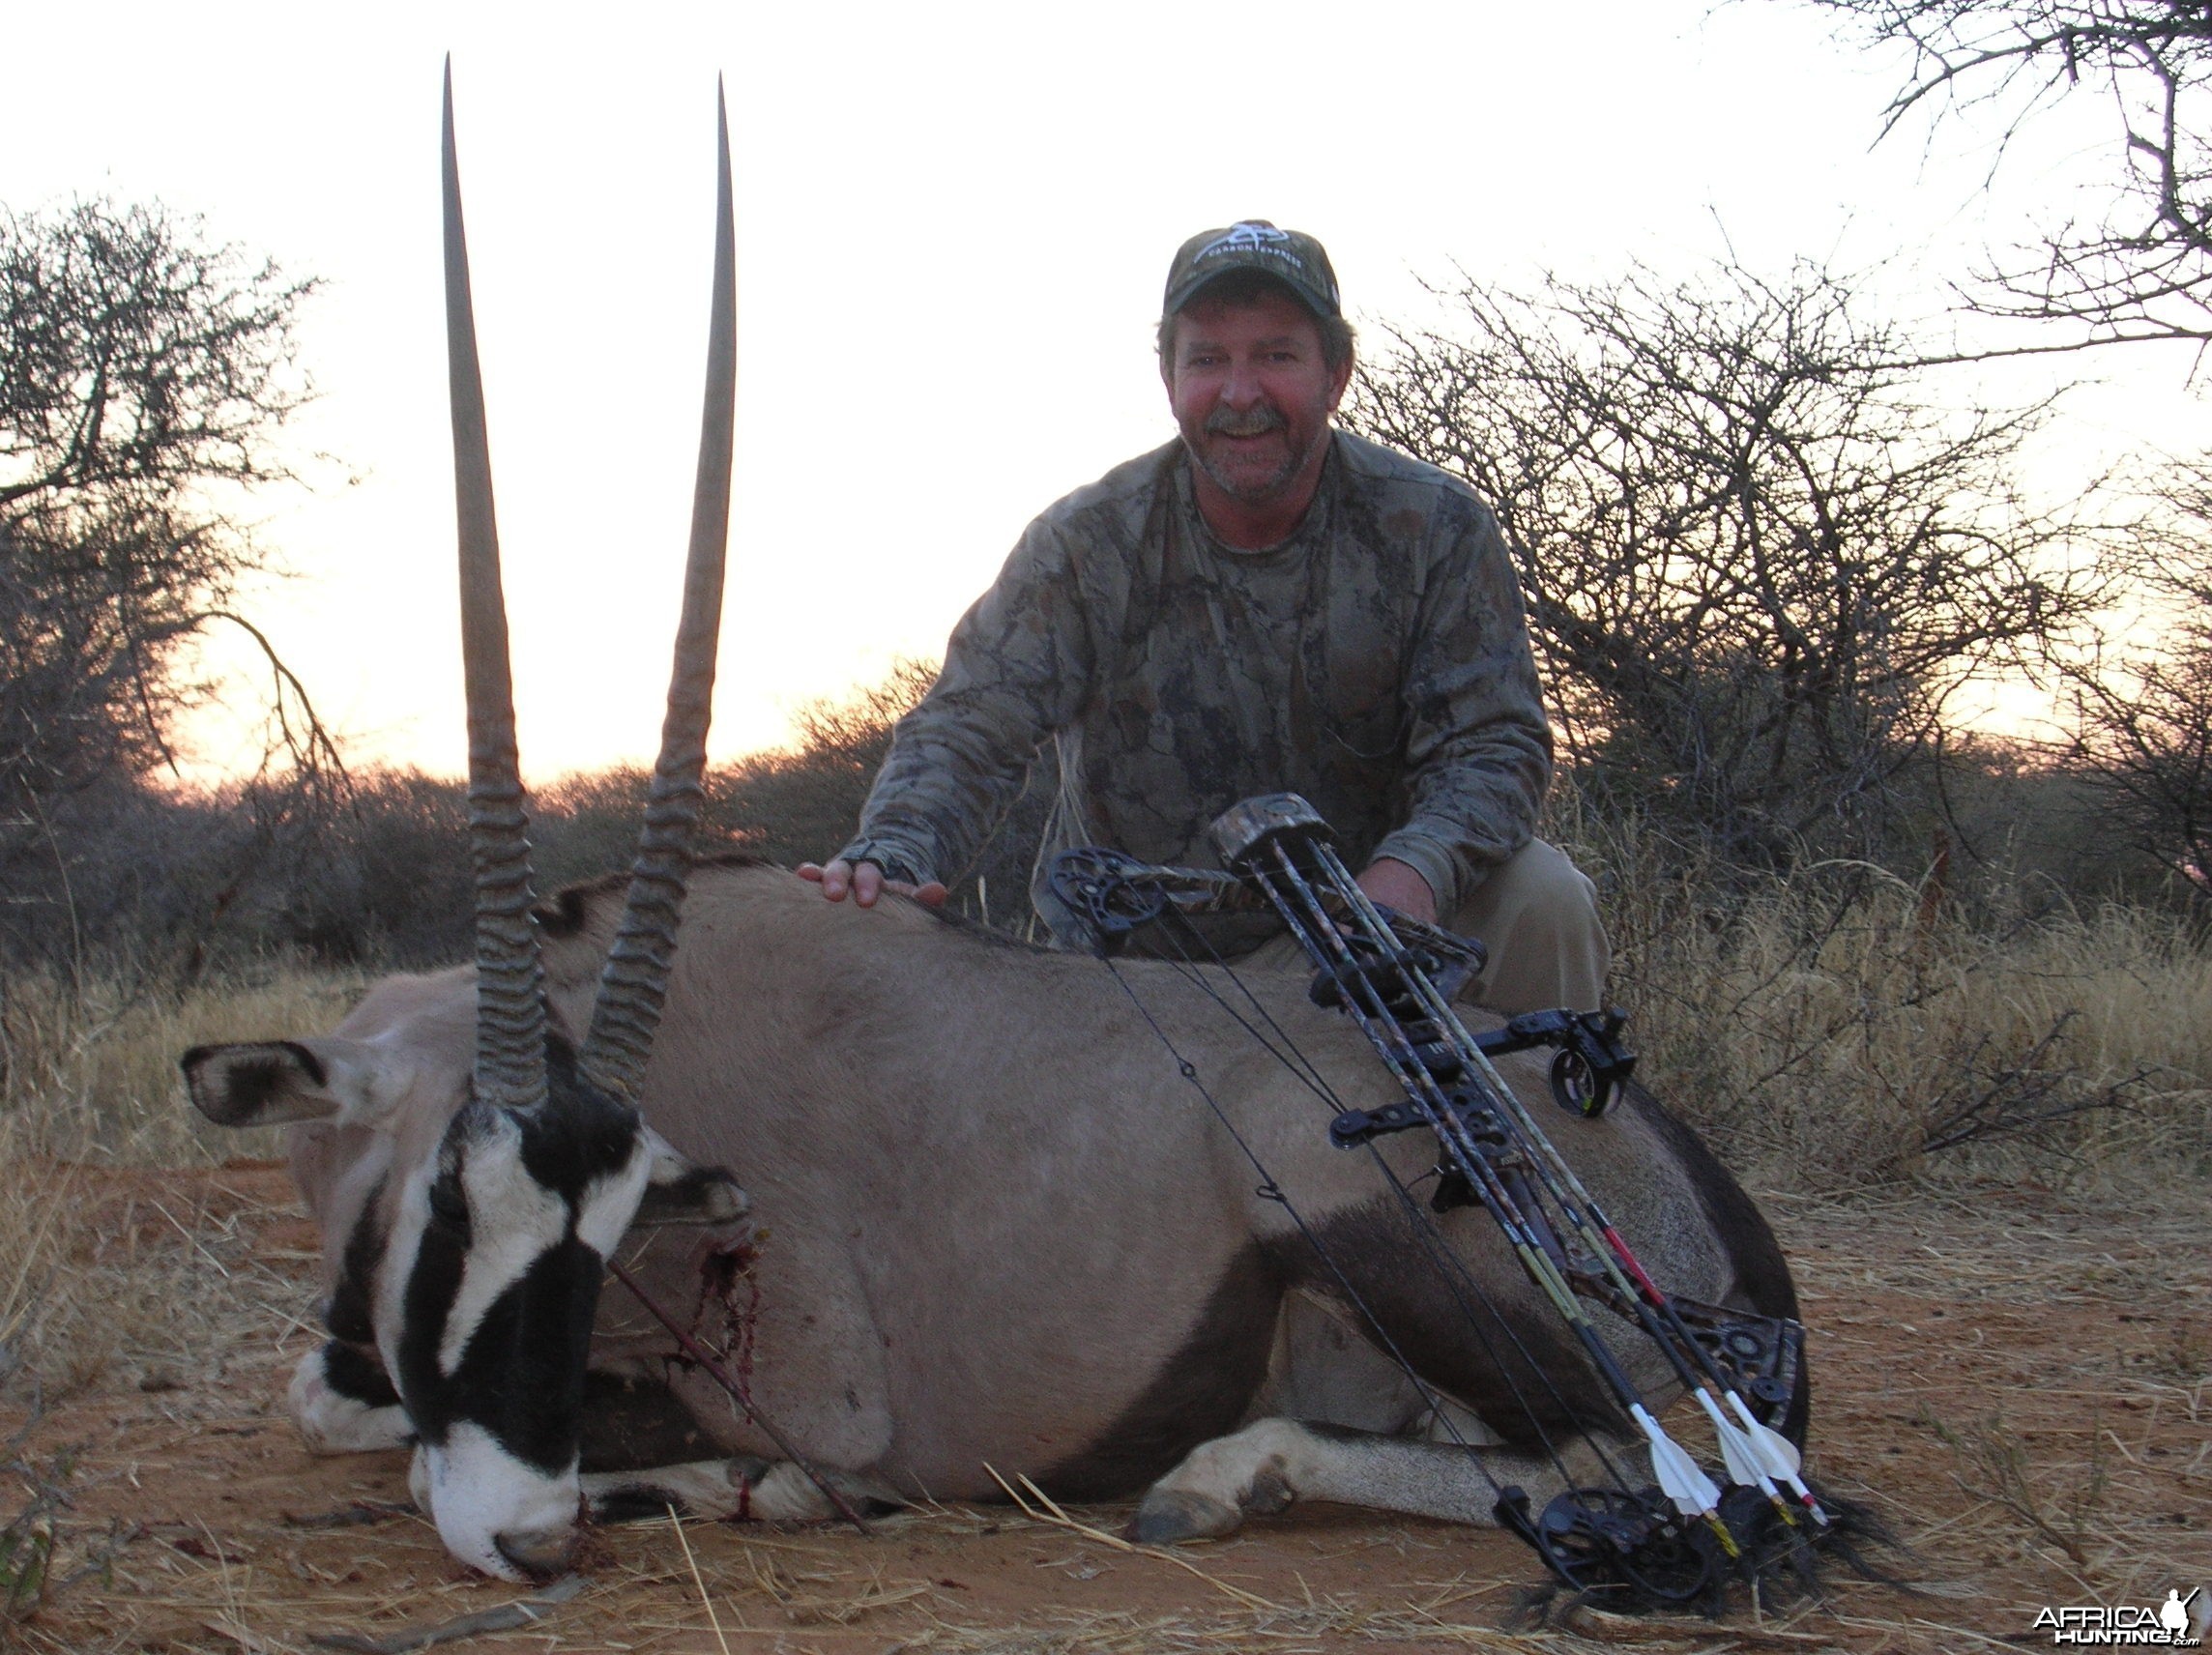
pixel 2018 1383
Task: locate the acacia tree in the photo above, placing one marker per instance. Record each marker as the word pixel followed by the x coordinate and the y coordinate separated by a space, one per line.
pixel 2142 718
pixel 144 374
pixel 2143 268
pixel 1759 560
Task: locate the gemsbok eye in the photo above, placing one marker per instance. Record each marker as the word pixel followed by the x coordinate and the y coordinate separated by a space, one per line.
pixel 448 1208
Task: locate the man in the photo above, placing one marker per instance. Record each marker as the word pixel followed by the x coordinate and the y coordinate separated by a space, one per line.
pixel 1267 604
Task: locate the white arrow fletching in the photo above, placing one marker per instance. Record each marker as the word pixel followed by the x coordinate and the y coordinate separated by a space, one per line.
pixel 1776 1452
pixel 1692 1492
pixel 1736 1450
pixel 1780 1457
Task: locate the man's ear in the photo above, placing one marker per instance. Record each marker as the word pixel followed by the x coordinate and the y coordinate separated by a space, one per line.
pixel 268 1083
pixel 678 1191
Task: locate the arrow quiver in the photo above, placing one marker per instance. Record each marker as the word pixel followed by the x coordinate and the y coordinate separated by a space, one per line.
pixel 1397 979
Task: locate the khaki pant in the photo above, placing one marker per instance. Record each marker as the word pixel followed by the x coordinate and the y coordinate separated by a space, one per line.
pixel 1537 915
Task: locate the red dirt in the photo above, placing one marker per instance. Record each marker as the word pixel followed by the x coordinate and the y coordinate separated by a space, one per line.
pixel 2021 1386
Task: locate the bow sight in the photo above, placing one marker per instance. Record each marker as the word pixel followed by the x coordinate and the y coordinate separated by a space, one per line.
pixel 1396 978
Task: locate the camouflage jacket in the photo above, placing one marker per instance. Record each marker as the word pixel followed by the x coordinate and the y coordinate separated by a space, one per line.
pixel 1377 661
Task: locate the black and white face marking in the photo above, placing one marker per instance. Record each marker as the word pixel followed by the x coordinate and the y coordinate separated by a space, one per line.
pixel 341 1397
pixel 484 1311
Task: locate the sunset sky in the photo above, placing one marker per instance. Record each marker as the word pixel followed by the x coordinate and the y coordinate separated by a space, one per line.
pixel 953 223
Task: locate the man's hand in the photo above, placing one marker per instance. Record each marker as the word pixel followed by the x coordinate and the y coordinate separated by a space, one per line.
pixel 866 882
pixel 1396 884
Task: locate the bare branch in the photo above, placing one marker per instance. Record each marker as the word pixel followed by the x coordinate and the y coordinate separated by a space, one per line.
pixel 2142 271
pixel 1757 558
pixel 144 376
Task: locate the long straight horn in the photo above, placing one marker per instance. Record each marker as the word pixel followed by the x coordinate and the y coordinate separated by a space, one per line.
pixel 635 980
pixel 510 1000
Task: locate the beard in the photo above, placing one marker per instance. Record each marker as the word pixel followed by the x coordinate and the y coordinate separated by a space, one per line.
pixel 1255 421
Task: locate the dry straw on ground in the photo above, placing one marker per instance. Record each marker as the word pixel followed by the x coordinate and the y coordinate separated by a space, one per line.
pixel 1973 1357
pixel 89 1083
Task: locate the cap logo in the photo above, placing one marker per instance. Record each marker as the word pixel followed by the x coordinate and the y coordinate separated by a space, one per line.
pixel 1248 234
pixel 1253 244
pixel 1249 238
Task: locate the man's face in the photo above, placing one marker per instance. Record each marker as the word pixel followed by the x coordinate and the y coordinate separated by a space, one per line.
pixel 1252 393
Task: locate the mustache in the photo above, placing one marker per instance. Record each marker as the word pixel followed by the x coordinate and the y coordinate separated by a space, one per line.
pixel 1255 421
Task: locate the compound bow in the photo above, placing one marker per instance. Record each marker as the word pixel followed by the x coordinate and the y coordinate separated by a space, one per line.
pixel 1397 977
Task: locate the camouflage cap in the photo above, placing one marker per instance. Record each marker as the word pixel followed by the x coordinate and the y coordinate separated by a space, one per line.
pixel 1297 261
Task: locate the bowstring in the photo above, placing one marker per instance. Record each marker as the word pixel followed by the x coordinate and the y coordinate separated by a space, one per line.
pixel 1269 1190
pixel 1436 1246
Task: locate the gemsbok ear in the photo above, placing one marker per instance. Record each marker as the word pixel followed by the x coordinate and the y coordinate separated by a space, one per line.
pixel 269 1083
pixel 678 1191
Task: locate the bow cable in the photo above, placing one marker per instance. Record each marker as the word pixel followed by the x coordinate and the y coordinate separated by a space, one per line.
pixel 1494 1156
pixel 1422 1222
pixel 1744 1450
pixel 1270 1190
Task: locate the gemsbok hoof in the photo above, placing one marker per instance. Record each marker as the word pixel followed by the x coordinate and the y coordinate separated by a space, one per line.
pixel 1172 1515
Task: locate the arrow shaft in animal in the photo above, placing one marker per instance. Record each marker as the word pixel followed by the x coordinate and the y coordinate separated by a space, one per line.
pixel 698 1354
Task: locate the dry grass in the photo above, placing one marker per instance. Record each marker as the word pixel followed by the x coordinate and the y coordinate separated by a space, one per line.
pixel 126 1278
pixel 36 1225
pixel 1993 1464
pixel 89 1087
pixel 2010 1380
pixel 1845 1029
pixel 101 1271
pixel 88 1070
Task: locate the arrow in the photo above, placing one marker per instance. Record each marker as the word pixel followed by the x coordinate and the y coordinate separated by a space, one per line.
pixel 1737 1451
pixel 1745 1464
pixel 1780 1457
pixel 1692 1493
